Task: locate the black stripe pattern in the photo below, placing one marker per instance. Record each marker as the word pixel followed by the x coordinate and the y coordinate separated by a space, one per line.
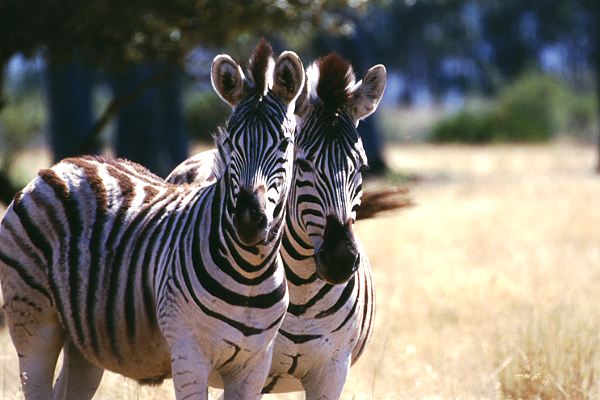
pixel 322 320
pixel 119 254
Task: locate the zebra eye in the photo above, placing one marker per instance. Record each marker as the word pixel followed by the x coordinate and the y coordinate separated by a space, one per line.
pixel 363 168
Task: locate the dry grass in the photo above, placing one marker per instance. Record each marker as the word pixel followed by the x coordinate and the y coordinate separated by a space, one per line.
pixel 488 288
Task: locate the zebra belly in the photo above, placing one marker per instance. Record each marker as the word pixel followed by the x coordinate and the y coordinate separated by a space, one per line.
pixel 150 365
pixel 144 357
pixel 95 317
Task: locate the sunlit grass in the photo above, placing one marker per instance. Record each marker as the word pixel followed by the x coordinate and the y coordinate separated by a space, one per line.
pixel 556 356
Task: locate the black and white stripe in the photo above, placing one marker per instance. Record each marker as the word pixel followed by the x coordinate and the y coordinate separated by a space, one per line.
pixel 327 324
pixel 133 274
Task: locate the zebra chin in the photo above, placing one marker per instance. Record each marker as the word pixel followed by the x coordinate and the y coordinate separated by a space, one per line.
pixel 251 236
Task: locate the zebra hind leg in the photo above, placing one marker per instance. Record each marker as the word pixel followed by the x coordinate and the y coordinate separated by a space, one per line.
pixel 78 377
pixel 38 338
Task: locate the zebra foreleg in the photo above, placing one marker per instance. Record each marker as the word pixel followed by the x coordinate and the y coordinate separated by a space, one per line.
pixel 246 381
pixel 327 382
pixel 38 338
pixel 190 369
pixel 78 377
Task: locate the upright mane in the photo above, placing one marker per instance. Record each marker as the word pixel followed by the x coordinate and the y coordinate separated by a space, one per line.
pixel 332 80
pixel 261 62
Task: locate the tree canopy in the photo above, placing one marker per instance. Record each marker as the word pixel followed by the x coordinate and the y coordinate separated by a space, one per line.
pixel 111 31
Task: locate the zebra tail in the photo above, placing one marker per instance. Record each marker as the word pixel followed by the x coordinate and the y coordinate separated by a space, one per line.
pixel 377 201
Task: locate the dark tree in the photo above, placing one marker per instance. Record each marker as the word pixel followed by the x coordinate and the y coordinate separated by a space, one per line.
pixel 69 97
pixel 593 9
pixel 357 48
pixel 150 128
pixel 137 33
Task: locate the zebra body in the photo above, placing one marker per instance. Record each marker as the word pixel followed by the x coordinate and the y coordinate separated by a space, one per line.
pixel 132 274
pixel 331 312
pixel 322 334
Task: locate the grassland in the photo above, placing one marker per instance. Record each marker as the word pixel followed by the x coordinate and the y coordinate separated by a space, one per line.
pixel 488 288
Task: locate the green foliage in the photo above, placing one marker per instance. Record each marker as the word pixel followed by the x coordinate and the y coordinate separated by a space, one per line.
pixel 204 113
pixel 464 126
pixel 583 119
pixel 22 120
pixel 534 108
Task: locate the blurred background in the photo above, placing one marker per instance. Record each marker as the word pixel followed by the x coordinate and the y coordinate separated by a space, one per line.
pixel 489 287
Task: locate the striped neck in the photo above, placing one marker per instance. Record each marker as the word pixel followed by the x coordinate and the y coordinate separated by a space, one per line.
pixel 297 249
pixel 225 246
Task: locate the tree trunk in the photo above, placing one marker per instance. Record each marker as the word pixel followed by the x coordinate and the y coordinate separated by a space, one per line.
pixel 150 129
pixel 173 133
pixel 69 96
pixel 357 50
pixel 596 61
pixel 597 64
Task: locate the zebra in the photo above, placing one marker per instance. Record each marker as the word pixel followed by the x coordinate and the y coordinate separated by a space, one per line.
pixel 130 273
pixel 331 312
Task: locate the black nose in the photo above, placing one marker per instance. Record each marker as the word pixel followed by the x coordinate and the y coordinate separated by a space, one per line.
pixel 338 258
pixel 249 217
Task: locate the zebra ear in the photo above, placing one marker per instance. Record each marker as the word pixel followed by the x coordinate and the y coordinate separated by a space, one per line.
pixel 288 77
pixel 367 93
pixel 302 101
pixel 227 79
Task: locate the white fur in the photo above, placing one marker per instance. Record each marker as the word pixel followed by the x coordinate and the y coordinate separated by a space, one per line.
pixel 323 366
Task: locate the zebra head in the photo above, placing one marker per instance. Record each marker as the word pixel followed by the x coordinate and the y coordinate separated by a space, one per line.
pixel 256 147
pixel 329 161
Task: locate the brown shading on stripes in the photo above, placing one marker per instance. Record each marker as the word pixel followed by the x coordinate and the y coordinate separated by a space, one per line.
pixel 121 164
pixel 56 183
pixel 150 193
pixel 259 63
pixel 377 201
pixel 95 181
pixel 335 76
pixel 18 197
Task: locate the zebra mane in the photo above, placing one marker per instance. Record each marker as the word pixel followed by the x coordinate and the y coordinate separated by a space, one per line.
pixel 222 156
pixel 261 65
pixel 331 79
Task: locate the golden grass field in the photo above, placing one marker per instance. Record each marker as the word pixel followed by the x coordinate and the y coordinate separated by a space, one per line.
pixel 489 287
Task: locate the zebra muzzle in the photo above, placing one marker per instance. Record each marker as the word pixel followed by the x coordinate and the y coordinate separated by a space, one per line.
pixel 338 257
pixel 250 218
